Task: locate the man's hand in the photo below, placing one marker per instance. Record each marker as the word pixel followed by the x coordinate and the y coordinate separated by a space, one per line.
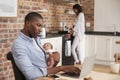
pixel 68 69
pixel 71 69
pixel 56 57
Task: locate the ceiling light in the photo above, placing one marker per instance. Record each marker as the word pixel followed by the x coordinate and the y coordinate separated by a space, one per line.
pixel 43 10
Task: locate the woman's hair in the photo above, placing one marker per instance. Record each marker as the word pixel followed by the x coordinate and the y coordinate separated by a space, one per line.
pixel 78 8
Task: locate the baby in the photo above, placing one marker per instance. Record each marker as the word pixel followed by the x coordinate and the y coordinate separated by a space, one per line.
pixel 53 57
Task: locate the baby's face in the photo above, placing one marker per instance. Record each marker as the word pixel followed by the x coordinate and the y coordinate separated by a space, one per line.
pixel 47 46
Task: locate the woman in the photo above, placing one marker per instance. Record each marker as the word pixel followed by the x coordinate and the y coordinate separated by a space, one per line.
pixel 78 33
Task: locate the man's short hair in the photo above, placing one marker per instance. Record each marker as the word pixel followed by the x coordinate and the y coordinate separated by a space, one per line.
pixel 30 16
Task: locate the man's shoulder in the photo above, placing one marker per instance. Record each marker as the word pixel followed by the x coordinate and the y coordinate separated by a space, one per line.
pixel 18 42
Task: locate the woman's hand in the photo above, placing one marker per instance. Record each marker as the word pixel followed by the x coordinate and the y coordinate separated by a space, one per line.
pixel 68 36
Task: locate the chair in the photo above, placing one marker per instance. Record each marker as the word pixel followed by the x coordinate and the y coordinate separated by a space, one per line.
pixel 18 74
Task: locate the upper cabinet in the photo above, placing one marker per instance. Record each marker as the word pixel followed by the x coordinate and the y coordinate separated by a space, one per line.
pixel 107 15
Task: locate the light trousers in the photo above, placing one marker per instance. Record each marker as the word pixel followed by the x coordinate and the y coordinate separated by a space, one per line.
pixel 78 49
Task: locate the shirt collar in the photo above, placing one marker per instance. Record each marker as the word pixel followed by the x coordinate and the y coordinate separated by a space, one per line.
pixel 25 37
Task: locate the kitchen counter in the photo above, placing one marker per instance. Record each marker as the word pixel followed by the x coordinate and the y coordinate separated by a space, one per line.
pixel 51 35
pixel 102 33
pixel 62 33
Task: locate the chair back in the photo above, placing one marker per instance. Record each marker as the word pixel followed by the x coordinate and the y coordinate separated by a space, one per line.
pixel 18 74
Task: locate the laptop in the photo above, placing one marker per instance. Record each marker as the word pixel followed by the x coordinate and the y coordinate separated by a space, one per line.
pixel 87 67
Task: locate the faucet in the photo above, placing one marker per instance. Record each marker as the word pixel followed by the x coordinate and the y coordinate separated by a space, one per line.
pixel 115 32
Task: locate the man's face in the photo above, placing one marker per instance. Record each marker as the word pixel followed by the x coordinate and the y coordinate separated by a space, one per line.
pixel 35 27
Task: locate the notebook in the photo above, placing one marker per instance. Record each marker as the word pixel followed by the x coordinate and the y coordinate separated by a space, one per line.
pixel 87 67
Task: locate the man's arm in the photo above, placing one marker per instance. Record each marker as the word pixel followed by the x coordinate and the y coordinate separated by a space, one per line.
pixel 54 70
pixel 24 63
pixel 70 69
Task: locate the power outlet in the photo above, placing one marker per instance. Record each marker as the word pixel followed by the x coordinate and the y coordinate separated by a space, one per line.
pixel 87 24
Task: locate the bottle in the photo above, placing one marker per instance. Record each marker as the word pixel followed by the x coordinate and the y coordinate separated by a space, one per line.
pixel 43 35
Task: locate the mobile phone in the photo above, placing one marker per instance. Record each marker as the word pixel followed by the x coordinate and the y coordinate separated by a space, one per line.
pixel 55 77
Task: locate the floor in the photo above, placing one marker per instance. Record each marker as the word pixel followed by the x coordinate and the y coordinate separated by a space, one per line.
pixel 103 68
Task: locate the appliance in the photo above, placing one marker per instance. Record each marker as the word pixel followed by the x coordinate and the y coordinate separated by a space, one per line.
pixel 67 58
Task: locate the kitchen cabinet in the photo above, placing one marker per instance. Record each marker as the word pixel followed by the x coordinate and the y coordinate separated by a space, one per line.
pixel 106 17
pixel 103 46
pixel 89 45
pixel 57 45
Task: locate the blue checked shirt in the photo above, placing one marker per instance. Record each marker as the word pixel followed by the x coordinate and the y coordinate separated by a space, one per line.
pixel 29 59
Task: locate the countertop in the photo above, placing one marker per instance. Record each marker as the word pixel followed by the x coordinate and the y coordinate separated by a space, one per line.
pixel 51 35
pixel 102 33
pixel 62 33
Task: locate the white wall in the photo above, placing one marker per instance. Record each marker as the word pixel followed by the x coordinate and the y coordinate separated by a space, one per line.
pixel 107 15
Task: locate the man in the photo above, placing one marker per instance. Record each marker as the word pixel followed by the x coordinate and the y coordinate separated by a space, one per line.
pixel 28 53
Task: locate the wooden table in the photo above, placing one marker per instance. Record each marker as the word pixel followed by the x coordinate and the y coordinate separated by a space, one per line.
pixel 96 76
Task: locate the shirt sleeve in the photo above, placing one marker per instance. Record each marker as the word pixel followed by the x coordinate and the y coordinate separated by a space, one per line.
pixel 79 28
pixel 23 62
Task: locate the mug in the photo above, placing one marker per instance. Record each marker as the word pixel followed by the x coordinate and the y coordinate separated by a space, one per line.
pixel 114 67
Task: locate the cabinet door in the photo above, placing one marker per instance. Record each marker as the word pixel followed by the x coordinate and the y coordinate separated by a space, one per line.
pixel 103 48
pixel 89 45
pixel 57 45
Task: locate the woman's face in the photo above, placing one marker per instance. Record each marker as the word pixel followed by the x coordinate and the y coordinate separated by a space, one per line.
pixel 75 10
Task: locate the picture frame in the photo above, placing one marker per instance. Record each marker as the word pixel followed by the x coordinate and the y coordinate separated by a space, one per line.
pixel 8 8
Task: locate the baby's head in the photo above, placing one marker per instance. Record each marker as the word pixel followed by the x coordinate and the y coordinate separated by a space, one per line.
pixel 47 46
